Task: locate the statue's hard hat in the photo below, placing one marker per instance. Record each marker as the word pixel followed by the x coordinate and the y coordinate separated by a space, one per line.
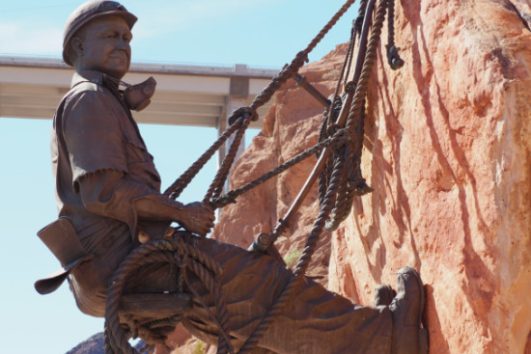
pixel 89 11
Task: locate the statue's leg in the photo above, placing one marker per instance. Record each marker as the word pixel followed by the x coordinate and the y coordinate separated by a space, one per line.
pixel 315 320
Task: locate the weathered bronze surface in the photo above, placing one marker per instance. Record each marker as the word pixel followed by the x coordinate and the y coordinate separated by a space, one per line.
pixel 109 192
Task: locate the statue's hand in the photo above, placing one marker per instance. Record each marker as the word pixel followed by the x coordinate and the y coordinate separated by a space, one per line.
pixel 197 218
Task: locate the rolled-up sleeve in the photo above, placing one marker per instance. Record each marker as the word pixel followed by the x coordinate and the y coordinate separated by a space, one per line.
pixel 111 194
pixel 93 136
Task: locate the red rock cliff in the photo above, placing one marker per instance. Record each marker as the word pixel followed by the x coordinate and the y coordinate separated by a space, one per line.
pixel 447 151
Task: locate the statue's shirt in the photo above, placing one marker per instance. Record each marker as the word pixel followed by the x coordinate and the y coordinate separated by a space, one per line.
pixel 102 166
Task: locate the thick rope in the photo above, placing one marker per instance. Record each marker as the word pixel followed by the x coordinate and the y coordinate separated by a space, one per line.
pixel 345 70
pixel 267 93
pixel 286 73
pixel 301 267
pixel 361 13
pixel 356 32
pixel 393 58
pixel 289 70
pixel 231 196
pixel 343 201
pixel 352 182
pixel 220 318
pixel 355 183
pixel 177 187
pixel 330 196
pixel 328 128
pixel 162 251
pixel 362 84
pixel 117 337
pixel 216 187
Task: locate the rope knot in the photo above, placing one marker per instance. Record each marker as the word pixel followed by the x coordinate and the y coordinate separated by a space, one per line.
pixel 228 198
pixel 360 187
pixel 243 112
pixel 350 87
pixel 263 242
pixel 301 58
pixel 340 137
pixel 332 129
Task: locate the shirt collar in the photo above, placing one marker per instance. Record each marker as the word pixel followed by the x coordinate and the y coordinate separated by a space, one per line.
pixel 94 76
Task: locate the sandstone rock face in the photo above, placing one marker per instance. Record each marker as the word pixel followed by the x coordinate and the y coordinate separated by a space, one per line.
pixel 447 150
pixel 290 127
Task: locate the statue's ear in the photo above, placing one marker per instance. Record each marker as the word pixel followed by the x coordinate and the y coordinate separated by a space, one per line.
pixel 76 46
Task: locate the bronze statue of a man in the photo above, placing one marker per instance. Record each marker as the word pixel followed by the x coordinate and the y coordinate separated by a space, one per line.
pixel 109 202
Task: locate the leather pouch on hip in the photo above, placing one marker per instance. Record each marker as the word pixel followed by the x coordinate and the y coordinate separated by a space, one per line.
pixel 61 239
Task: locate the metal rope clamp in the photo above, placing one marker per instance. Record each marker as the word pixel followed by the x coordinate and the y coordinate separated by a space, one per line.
pixel 262 242
pixel 395 62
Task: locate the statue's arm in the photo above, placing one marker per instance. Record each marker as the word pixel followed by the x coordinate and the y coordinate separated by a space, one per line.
pixel 112 194
pixel 95 143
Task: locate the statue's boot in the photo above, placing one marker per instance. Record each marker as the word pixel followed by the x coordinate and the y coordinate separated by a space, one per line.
pixel 409 336
pixel 384 295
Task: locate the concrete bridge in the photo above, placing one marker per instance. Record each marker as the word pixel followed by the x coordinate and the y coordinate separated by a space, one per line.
pixel 186 94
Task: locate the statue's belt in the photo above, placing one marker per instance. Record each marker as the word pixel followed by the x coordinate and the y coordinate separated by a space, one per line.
pixel 60 237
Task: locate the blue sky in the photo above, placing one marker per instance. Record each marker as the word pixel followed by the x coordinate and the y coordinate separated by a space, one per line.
pixel 259 33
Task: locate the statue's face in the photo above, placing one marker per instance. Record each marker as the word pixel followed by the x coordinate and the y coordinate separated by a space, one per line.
pixel 104 46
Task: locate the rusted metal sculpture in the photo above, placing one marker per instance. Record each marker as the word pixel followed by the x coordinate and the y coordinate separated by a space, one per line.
pixel 124 262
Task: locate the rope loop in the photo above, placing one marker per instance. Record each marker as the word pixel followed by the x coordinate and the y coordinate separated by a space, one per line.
pixel 174 251
pixel 393 58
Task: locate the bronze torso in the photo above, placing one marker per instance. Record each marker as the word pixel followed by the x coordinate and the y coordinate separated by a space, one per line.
pixel 95 135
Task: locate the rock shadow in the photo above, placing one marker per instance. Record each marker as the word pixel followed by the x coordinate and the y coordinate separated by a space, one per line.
pixel 479 281
pixel 401 209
